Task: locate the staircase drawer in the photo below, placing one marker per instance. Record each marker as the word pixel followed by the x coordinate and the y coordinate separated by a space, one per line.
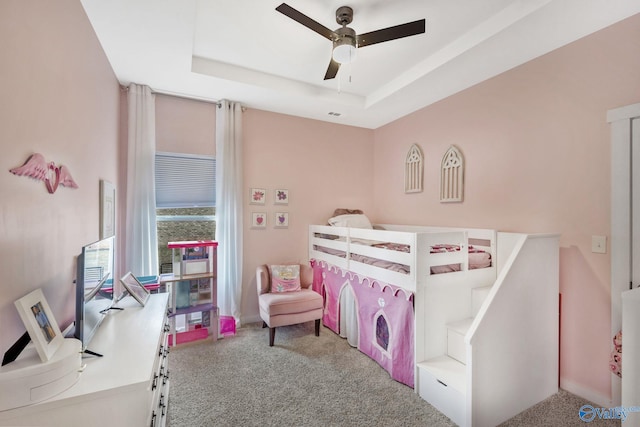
pixel 442 396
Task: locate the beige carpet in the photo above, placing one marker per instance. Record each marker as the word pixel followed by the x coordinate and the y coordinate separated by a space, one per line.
pixel 306 380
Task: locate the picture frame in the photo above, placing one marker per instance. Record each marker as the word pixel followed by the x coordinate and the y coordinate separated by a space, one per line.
pixel 136 289
pixel 107 209
pixel 281 197
pixel 258 196
pixel 281 220
pixel 259 220
pixel 40 323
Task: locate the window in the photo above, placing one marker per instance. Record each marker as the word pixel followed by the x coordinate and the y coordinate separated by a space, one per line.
pixel 184 180
pixel 185 201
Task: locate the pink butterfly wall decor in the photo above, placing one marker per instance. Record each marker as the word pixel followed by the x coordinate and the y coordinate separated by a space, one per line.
pixel 38 168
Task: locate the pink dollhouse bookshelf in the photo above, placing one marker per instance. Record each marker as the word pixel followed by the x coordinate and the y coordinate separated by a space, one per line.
pixel 193 289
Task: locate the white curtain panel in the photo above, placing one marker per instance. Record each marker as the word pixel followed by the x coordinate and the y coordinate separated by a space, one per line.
pixel 229 206
pixel 141 232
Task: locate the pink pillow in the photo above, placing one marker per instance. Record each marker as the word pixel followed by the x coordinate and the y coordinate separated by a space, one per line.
pixel 285 278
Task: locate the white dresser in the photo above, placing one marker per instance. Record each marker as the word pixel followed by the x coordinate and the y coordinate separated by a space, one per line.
pixel 127 386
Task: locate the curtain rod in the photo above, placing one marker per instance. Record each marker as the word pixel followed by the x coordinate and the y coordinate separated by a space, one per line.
pixel 184 96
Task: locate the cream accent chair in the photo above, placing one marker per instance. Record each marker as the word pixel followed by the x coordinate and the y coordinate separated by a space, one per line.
pixel 288 308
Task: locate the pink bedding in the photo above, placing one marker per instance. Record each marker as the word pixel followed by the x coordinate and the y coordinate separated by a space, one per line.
pixel 478 258
pixel 388 265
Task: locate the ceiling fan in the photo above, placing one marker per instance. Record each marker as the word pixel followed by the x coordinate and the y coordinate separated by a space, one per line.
pixel 345 40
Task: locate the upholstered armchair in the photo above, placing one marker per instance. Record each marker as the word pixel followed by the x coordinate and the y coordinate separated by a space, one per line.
pixel 288 307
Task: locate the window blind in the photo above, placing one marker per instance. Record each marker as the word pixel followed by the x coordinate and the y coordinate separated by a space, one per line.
pixel 184 180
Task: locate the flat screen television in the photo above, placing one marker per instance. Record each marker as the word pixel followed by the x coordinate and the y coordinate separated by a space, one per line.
pixel 94 288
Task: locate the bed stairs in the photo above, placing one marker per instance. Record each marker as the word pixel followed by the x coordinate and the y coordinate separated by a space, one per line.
pixel 456 331
pixel 443 380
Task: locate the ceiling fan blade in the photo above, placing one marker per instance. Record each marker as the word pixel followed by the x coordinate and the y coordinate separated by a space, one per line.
pixel 332 70
pixel 391 33
pixel 303 19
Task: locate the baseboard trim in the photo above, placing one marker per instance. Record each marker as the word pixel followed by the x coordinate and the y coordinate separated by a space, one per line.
pixel 586 393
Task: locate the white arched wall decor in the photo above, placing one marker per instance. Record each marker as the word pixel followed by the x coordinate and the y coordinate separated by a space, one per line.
pixel 413 170
pixel 452 176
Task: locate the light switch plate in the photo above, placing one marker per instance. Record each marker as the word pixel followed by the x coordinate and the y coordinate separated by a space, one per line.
pixel 599 244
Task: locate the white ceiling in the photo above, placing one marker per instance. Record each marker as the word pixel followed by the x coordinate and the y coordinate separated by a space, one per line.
pixel 246 51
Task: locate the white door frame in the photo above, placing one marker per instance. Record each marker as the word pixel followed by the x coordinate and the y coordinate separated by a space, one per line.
pixel 621 220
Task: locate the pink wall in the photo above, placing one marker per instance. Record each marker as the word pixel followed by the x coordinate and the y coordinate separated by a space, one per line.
pixel 537 151
pixel 185 126
pixel 324 166
pixel 59 98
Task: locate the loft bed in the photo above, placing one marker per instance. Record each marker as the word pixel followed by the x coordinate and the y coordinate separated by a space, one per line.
pixel 390 252
pixel 477 341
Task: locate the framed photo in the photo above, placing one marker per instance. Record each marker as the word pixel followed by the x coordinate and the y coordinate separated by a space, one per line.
pixel 107 209
pixel 281 197
pixel 259 220
pixel 258 196
pixel 281 220
pixel 136 289
pixel 40 323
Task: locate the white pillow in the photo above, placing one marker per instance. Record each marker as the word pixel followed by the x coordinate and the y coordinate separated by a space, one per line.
pixel 351 220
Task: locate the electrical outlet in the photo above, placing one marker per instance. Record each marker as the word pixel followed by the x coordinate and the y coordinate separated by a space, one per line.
pixel 599 244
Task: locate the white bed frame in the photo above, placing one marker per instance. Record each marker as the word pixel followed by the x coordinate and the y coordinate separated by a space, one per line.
pixel 486 340
pixel 419 239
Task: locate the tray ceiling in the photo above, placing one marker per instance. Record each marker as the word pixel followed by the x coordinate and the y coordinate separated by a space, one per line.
pixel 246 51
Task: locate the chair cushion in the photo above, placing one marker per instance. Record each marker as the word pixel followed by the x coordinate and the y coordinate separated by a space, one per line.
pixel 279 303
pixel 285 278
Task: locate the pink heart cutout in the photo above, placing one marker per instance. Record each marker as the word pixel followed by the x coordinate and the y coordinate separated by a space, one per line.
pixel 53 171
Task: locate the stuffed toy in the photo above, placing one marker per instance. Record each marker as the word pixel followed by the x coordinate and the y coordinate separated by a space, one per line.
pixel 615 361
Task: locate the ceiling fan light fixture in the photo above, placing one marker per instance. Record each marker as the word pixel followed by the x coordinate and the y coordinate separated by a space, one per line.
pixel 344 47
pixel 344 53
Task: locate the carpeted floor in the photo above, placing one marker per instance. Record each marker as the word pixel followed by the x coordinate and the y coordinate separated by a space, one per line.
pixel 306 380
